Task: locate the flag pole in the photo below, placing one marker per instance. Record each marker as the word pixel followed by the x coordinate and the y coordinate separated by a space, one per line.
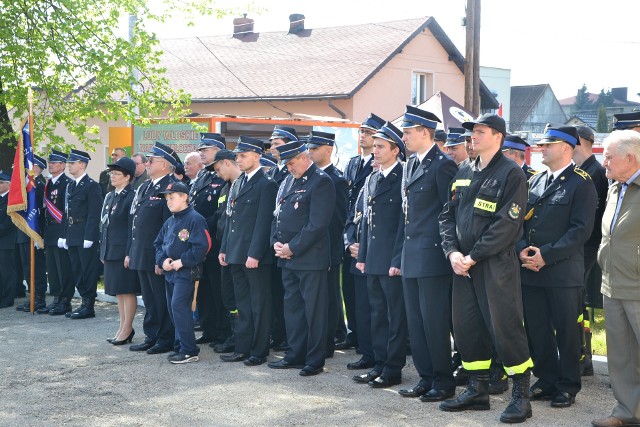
pixel 32 286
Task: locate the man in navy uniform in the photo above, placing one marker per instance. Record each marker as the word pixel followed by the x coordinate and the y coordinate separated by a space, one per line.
pixel 148 212
pixel 379 256
pixel 514 148
pixel 455 146
pixel 7 247
pixel 354 282
pixel 57 257
pixel 440 138
pixel 280 136
pixel 81 232
pixel 629 121
pixel 300 237
pixel 203 195
pixel 246 248
pixel 426 285
pixel 24 245
pixel 320 146
pixel 181 246
pixel 480 226
pixel 559 220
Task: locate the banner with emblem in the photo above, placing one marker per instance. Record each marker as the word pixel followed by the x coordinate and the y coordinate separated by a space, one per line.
pixel 22 207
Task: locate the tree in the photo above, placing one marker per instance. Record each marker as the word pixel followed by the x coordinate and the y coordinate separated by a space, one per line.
pixel 80 68
pixel 582 103
pixel 605 98
pixel 603 122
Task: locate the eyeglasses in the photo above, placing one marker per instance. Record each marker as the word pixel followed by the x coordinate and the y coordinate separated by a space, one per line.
pixel 116 173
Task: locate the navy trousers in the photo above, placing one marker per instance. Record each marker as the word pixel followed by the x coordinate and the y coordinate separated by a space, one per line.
pixel 179 297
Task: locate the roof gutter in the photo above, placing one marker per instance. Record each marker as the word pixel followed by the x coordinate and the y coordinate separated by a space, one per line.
pixel 271 99
pixel 337 110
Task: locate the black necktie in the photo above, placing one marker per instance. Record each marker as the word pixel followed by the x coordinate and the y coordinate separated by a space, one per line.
pixel 243 181
pixel 414 168
pixel 360 166
pixel 549 181
pixel 380 177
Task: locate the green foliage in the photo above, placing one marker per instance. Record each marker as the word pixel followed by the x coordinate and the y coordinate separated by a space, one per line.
pixel 582 103
pixel 80 66
pixel 603 124
pixel 605 98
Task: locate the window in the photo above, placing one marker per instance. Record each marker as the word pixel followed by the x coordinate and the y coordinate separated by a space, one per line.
pixel 421 87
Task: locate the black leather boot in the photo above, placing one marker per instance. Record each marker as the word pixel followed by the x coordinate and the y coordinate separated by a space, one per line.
pixel 498 380
pixel 586 362
pixel 86 310
pixel 63 307
pixel 48 308
pixel 519 409
pixel 474 397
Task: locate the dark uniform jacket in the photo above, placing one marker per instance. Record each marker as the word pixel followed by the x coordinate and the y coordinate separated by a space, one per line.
pixel 249 226
pixel 598 175
pixel 485 214
pixel 7 229
pixel 55 193
pixel 528 171
pixel 559 221
pixel 339 218
pixel 382 231
pixel 84 201
pixel 148 212
pixel 183 236
pixel 203 196
pixel 353 231
pixel 277 174
pixel 114 221
pixel 355 177
pixel 427 191
pixel 305 209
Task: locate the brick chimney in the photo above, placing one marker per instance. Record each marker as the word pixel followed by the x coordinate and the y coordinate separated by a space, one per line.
pixel 296 23
pixel 242 26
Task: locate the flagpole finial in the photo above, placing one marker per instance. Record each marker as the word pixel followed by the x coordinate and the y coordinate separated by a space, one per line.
pixel 30 95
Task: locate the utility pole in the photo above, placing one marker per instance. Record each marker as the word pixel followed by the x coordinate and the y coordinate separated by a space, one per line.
pixel 472 58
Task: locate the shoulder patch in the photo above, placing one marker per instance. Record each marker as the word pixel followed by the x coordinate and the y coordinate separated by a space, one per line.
pixel 582 173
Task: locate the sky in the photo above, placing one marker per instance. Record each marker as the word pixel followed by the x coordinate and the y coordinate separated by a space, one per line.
pixel 561 42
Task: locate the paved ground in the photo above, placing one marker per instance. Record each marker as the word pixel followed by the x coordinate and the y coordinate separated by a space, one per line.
pixel 56 371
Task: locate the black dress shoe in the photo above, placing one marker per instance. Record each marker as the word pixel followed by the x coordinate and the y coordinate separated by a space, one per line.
pixel 536 393
pixel 60 309
pixel 156 349
pixel 144 346
pixel 254 361
pixel 562 399
pixel 365 378
pixel 283 364
pixel 384 381
pixel 360 364
pixel 309 370
pixel 417 391
pixel 345 345
pixel 234 357
pixel 85 312
pixel 204 340
pixel 280 345
pixel 436 395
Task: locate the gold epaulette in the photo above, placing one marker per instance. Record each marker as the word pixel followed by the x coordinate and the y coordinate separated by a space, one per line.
pixel 582 173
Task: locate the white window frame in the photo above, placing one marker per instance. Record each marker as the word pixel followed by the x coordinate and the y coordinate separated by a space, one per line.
pixel 427 88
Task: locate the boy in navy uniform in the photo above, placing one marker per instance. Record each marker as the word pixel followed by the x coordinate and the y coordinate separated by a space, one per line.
pixel 301 241
pixel 379 255
pixel 81 231
pixel 246 249
pixel 181 246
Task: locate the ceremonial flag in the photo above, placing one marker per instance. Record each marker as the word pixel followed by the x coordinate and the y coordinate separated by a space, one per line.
pixel 22 207
pixel 500 110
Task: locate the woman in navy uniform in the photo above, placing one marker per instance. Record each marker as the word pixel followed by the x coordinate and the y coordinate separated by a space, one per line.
pixel 118 279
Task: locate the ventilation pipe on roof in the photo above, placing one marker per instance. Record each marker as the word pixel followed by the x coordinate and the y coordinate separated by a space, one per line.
pixel 296 23
pixel 242 26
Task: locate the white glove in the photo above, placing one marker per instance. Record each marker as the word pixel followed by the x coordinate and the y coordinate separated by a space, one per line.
pixel 36 245
pixel 62 243
pixel 87 244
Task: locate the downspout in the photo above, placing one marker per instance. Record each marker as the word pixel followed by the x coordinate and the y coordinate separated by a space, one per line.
pixel 337 110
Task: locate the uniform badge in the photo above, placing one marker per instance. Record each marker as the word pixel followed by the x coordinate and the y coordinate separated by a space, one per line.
pixel 295 206
pixel 209 198
pixel 183 235
pixel 514 211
